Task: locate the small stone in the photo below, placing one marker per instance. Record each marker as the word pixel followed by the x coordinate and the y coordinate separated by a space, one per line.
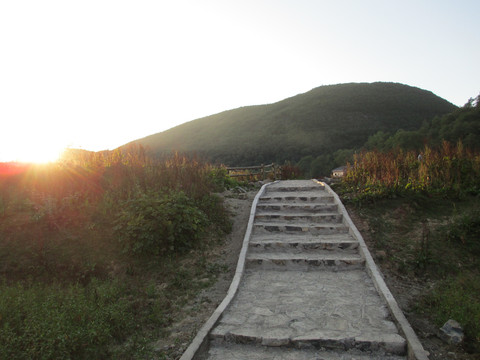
pixel 381 255
pixel 452 332
pixel 263 311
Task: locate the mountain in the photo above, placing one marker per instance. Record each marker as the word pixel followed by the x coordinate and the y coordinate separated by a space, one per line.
pixel 323 120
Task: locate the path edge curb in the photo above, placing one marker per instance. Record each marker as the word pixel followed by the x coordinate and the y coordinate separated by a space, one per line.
pixel 199 343
pixel 415 348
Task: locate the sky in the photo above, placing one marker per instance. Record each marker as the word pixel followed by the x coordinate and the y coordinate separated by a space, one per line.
pixel 96 74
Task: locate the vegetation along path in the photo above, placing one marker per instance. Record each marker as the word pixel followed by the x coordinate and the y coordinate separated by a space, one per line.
pixel 305 287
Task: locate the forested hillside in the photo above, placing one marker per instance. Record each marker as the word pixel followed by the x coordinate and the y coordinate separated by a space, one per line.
pixel 461 124
pixel 319 122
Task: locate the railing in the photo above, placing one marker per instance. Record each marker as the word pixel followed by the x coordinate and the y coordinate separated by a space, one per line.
pixel 256 173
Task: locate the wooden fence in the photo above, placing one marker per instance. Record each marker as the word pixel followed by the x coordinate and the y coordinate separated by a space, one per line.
pixel 256 173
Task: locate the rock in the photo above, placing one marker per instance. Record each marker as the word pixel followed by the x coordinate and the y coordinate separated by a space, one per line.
pixel 452 332
pixel 381 255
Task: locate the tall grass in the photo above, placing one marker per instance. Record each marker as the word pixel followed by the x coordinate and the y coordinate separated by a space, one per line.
pixel 450 168
pixel 52 322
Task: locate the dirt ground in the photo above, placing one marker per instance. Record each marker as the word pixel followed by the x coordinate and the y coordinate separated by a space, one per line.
pixel 406 290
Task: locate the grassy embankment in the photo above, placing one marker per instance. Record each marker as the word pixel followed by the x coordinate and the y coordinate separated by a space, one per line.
pixel 424 220
pixel 99 253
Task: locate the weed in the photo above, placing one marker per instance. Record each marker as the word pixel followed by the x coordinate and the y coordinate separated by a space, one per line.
pixel 458 297
pixel 465 229
pixel 423 254
pixel 51 321
pixel 451 170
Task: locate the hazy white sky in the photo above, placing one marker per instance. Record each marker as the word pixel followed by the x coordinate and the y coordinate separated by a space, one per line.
pixel 96 74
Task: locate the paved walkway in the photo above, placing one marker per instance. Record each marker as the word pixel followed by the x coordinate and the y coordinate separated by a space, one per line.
pixel 305 292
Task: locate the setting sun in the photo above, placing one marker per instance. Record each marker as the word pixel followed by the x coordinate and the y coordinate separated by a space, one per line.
pixel 37 145
pixel 40 154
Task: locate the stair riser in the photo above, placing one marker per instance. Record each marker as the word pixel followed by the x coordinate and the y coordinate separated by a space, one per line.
pixel 298 219
pixel 298 199
pixel 294 189
pixel 311 230
pixel 398 348
pixel 324 208
pixel 275 247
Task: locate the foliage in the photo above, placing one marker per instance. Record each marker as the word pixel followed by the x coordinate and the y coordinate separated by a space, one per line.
pixel 219 177
pixel 458 297
pixel 160 223
pixel 322 165
pixel 465 229
pixel 69 290
pixel 290 171
pixel 51 322
pixel 449 169
pixel 462 124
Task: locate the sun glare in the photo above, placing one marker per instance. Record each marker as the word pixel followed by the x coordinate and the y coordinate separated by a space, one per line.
pixel 39 155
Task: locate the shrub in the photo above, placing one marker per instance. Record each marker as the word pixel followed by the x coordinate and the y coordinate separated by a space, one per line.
pixel 220 179
pixel 160 222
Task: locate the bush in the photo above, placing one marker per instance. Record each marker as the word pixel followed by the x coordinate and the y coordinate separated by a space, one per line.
pixel 160 222
pixel 220 179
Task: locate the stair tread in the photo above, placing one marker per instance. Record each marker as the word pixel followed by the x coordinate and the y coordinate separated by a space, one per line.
pixel 300 225
pixel 292 255
pixel 321 308
pixel 304 205
pixel 296 213
pixel 296 194
pixel 339 336
pixel 302 237
pixel 305 239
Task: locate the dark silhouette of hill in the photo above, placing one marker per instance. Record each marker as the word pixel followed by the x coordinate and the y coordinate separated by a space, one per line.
pixel 323 120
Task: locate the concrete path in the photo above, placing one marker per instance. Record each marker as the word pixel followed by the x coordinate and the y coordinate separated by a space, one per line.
pixel 306 292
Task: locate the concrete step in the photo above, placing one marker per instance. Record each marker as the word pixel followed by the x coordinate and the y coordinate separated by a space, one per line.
pixel 295 188
pixel 307 197
pixel 296 185
pixel 287 207
pixel 265 227
pixel 391 344
pixel 303 242
pixel 289 260
pixel 310 310
pixel 275 245
pixel 299 217
pixel 233 351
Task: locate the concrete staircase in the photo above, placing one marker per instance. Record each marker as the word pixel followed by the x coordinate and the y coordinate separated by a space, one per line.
pixel 305 291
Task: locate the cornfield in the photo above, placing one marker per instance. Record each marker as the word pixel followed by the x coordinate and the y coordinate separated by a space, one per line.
pixel 448 168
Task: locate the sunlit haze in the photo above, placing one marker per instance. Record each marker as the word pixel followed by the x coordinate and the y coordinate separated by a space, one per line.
pixel 97 74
